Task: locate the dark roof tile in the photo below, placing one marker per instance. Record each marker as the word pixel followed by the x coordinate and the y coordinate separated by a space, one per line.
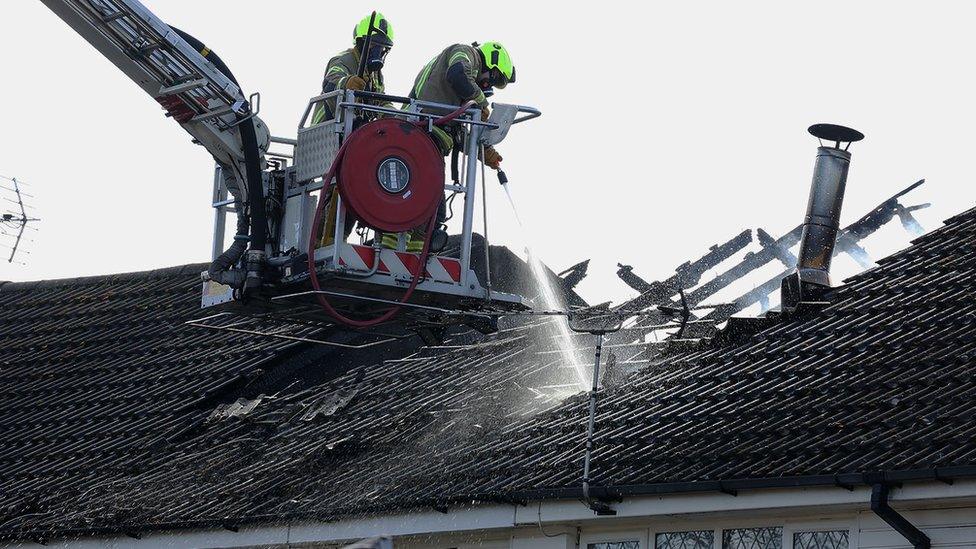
pixel 104 394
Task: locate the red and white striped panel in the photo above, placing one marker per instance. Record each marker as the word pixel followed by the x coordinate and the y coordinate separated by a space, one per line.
pixel 360 258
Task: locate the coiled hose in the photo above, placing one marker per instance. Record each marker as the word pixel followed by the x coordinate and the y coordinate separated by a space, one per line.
pixel 328 187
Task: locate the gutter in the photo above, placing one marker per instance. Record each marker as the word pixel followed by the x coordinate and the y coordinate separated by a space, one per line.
pixel 880 507
pixel 847 481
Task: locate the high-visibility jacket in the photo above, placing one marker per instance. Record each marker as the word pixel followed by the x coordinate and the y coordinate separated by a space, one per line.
pixel 451 77
pixel 339 69
pixel 415 241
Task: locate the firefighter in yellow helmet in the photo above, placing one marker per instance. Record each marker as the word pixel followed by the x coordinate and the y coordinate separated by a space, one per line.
pixel 458 74
pixel 342 71
pixel 463 73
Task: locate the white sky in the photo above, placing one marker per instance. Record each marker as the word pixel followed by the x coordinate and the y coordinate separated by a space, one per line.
pixel 668 126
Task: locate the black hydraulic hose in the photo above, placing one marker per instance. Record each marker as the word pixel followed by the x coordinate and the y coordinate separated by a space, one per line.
pixel 252 160
pixel 206 53
pixel 219 268
pixel 455 166
pixel 255 185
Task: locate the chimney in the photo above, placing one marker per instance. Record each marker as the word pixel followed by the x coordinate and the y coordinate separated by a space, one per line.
pixel 811 279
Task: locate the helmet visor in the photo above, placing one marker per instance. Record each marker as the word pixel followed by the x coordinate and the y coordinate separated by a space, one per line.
pixel 379 37
pixel 499 80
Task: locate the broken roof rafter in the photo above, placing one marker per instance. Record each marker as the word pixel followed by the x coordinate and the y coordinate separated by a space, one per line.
pixel 778 249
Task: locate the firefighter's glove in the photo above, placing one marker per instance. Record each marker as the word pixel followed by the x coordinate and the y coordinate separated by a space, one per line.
pixel 492 158
pixel 355 83
pixel 485 113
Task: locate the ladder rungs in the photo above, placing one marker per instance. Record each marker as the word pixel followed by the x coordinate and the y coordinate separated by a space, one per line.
pixel 185 86
pixel 212 114
pixel 113 17
pixel 148 48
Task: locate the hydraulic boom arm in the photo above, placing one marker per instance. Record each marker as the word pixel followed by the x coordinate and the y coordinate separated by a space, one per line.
pixel 202 98
pixel 200 93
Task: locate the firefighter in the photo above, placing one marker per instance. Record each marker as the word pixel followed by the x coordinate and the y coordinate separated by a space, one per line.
pixel 459 74
pixel 342 73
pixel 463 73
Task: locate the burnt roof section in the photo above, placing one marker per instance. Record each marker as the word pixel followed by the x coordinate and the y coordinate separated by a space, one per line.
pixel 881 381
pixel 96 371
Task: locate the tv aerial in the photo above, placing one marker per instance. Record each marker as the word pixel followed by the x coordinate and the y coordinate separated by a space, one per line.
pixel 14 217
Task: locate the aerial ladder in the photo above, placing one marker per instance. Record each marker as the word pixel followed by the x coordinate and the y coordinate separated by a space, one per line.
pixel 196 89
pixel 369 165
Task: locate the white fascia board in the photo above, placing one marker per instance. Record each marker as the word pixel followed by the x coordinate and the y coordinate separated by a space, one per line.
pixel 777 499
pixel 481 518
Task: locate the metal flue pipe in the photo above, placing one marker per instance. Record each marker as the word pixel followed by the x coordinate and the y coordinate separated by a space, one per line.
pixel 823 214
pixel 822 221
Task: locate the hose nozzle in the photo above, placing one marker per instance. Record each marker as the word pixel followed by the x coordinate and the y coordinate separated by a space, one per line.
pixel 502 178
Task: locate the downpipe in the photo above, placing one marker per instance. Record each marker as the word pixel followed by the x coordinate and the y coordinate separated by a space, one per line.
pixel 597 506
pixel 591 423
pixel 881 508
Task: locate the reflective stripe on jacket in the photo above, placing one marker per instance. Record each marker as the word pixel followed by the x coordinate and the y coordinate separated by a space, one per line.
pixel 339 69
pixel 432 83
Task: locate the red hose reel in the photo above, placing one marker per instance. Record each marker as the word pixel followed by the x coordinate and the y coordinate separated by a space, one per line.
pixel 404 163
pixel 392 175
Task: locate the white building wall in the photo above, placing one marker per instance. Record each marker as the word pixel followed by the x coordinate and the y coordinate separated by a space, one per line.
pixel 946 527
pixel 537 541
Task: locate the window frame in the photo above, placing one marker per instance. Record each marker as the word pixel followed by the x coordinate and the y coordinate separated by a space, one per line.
pixel 610 536
pixel 719 538
pixel 826 525
pixel 652 537
pixel 646 535
pixel 599 541
pixel 790 527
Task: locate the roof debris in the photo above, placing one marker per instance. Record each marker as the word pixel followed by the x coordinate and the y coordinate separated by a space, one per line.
pixel 239 408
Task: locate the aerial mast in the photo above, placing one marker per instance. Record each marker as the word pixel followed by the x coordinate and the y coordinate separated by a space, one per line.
pixel 14 219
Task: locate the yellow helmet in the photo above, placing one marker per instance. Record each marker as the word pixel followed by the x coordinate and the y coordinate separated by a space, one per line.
pixel 383 33
pixel 497 57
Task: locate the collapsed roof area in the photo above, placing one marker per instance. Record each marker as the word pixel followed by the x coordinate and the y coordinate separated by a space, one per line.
pixel 118 417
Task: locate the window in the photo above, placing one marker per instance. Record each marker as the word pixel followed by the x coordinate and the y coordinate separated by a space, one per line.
pixel 770 537
pixel 835 539
pixel 613 545
pixel 699 539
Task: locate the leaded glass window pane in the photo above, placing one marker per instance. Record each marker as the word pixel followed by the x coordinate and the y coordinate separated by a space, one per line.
pixel 699 539
pixel 613 545
pixel 770 537
pixel 836 539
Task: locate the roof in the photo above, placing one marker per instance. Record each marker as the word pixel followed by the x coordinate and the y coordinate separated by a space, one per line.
pixel 879 384
pixel 96 370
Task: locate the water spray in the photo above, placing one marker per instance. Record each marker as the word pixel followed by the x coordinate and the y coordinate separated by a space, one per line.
pixel 550 298
pixel 600 322
pixel 594 321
